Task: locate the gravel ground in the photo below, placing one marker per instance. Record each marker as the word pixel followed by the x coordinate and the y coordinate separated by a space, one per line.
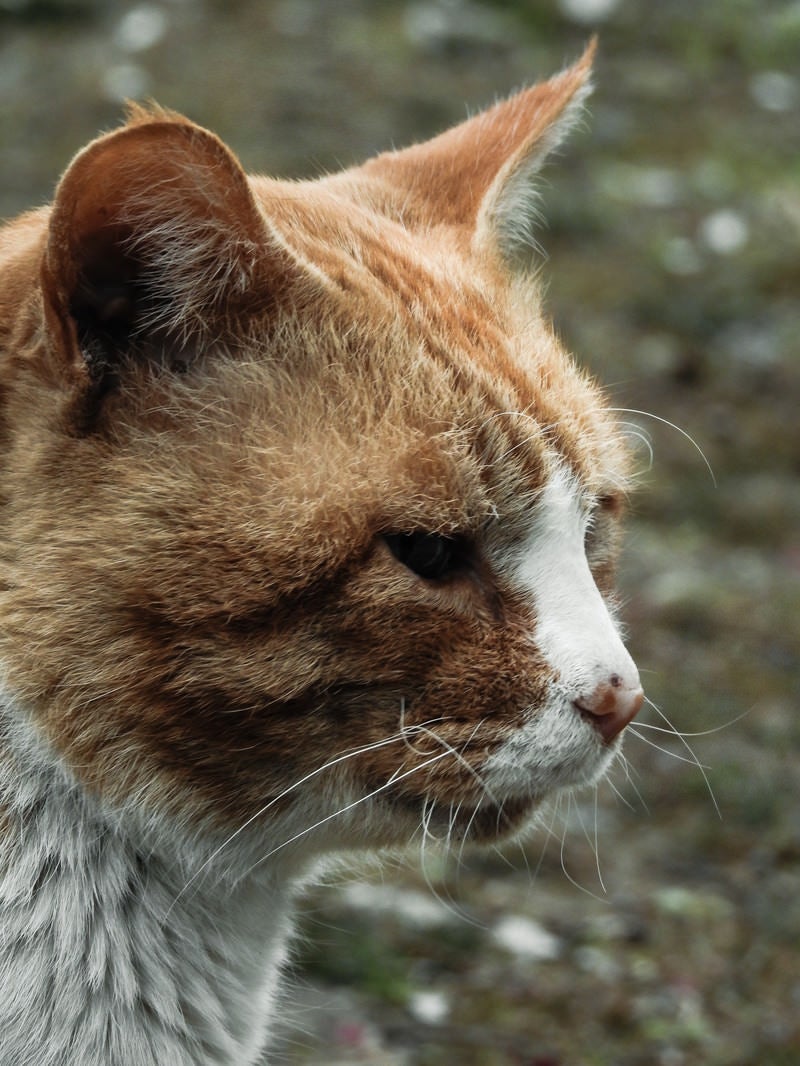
pixel 657 922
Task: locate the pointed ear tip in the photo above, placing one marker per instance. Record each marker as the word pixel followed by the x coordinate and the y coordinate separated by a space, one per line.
pixel 141 112
pixel 572 85
pixel 135 111
pixel 581 69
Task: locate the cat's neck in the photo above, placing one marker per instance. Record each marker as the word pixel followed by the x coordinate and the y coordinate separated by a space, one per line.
pixel 107 958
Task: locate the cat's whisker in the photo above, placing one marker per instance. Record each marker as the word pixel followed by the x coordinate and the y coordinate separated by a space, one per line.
pixel 672 425
pixel 591 839
pixel 567 874
pixel 619 795
pixel 465 835
pixel 549 829
pixel 405 730
pixel 452 821
pixel 428 807
pixel 629 777
pixel 672 731
pixel 636 432
pixel 336 761
pixel 543 429
pixel 691 760
pixel 458 857
pixel 550 833
pixel 693 757
pixel 460 759
pixel 597 844
pixel 393 780
pixel 525 860
pixel 446 900
pixel 497 850
pixel 463 762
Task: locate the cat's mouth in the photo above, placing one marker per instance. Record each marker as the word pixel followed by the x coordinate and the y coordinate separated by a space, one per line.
pixel 486 796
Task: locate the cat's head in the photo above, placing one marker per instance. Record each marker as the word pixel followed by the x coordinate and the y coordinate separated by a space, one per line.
pixel 303 502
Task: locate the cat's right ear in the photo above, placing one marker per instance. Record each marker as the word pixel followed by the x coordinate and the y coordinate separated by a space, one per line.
pixel 155 241
pixel 479 178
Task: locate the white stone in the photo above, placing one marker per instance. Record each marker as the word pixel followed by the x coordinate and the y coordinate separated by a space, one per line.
pixel 587 11
pixel 141 28
pixel 523 937
pixel 725 231
pixel 430 1007
pixel 775 91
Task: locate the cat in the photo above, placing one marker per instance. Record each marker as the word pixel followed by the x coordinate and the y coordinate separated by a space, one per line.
pixel 309 529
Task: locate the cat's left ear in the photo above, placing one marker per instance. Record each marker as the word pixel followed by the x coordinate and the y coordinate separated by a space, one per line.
pixel 479 176
pixel 155 242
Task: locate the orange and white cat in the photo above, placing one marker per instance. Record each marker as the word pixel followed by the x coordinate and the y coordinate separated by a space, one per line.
pixel 307 536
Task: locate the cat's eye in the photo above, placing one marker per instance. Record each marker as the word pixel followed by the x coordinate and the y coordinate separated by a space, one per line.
pixel 432 556
pixel 605 508
pixel 610 503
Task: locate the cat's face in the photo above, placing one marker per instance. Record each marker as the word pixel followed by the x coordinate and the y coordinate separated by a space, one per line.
pixel 305 502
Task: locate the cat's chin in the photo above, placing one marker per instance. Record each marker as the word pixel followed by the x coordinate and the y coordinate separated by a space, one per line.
pixel 493 823
pixel 486 824
pixel 496 821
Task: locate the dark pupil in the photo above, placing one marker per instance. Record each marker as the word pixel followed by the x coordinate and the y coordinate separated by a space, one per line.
pixel 430 555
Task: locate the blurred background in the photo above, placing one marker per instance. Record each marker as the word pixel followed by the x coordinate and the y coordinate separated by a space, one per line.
pixel 657 922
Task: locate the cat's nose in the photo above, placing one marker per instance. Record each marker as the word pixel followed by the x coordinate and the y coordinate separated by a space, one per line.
pixel 612 705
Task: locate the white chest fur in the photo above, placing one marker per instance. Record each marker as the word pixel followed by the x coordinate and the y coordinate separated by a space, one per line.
pixel 104 961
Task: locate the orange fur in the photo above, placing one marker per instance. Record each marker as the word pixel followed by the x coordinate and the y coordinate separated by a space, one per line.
pixel 219 393
pixel 307 538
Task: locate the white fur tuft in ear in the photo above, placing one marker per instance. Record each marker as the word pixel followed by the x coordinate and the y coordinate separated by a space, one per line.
pixel 477 177
pixel 509 211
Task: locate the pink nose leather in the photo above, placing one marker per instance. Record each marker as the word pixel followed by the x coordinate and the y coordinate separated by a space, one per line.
pixel 611 706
